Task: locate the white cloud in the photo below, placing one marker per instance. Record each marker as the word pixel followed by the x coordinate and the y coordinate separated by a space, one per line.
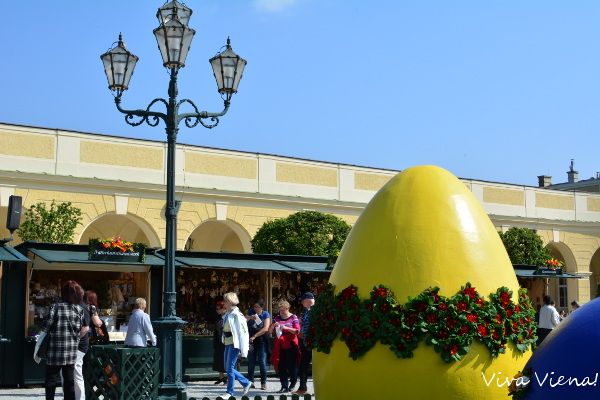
pixel 273 6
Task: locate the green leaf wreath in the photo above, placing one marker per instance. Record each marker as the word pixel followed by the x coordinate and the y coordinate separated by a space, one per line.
pixel 449 324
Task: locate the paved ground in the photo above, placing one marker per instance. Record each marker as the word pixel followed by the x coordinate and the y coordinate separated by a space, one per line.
pixel 198 389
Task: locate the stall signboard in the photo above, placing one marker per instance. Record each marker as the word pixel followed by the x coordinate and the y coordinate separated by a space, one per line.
pixel 544 271
pixel 116 250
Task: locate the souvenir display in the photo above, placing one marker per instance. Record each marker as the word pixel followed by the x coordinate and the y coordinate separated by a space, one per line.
pixel 199 289
pixel 116 293
pixel 290 286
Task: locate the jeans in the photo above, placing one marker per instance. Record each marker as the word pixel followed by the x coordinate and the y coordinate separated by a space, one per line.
pixel 78 377
pixel 305 360
pixel 231 356
pixel 258 353
pixel 53 380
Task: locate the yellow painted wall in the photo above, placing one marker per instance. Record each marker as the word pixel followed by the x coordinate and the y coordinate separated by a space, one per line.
pixel 305 174
pixel 210 164
pixel 557 202
pixel 503 196
pixel 367 181
pixel 27 145
pixel 121 154
pixel 593 204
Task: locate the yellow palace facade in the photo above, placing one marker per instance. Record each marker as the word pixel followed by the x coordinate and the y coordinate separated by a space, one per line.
pixel 119 184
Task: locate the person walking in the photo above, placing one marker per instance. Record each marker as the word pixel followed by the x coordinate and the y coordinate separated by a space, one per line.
pixel 259 321
pixel 286 351
pixel 549 319
pixel 308 300
pixel 82 348
pixel 218 346
pixel 139 328
pixel 65 327
pixel 236 340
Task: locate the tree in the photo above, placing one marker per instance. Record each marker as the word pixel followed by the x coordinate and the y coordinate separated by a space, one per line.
pixel 525 246
pixel 309 233
pixel 54 225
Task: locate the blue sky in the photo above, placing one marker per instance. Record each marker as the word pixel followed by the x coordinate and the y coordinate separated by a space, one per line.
pixel 492 90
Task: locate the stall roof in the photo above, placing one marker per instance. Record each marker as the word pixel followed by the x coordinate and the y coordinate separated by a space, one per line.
pixel 10 254
pixel 75 254
pixel 307 266
pixel 265 262
pixel 528 271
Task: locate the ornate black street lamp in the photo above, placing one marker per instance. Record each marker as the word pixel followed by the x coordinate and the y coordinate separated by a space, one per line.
pixel 174 38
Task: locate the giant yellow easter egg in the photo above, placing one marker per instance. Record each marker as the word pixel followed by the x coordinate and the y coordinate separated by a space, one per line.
pixel 423 229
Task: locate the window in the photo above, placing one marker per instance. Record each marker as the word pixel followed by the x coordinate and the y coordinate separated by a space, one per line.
pixel 563 301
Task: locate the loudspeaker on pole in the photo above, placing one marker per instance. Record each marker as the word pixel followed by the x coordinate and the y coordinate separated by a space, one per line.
pixel 13 218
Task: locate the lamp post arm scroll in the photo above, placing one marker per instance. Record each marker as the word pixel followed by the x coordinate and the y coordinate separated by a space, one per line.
pixel 145 115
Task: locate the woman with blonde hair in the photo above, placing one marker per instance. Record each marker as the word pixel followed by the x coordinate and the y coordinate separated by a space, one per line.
pixel 236 341
pixel 286 351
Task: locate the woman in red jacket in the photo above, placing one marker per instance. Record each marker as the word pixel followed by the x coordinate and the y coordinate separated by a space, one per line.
pixel 286 352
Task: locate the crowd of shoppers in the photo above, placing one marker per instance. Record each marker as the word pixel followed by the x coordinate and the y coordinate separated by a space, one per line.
pixel 74 319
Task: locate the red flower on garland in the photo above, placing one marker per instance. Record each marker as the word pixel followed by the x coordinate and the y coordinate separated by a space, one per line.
pixel 349 292
pixel 411 319
pixel 498 319
pixel 443 307
pixel 431 318
pixel 443 335
pixel 421 306
pixel 472 318
pixel 504 299
pixel 482 330
pixel 471 292
pixel 461 306
pixel 464 329
pixel 450 322
pixel 453 349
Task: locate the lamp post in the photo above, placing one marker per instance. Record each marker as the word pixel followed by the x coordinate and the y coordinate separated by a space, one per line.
pixel 174 37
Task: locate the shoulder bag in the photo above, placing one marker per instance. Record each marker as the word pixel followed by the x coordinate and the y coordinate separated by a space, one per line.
pixel 44 338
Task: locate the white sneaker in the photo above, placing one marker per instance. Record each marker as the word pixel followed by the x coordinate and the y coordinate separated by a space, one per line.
pixel 247 388
pixel 225 396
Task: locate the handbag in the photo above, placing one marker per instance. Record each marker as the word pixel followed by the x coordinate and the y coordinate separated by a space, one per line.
pixel 44 339
pixel 99 334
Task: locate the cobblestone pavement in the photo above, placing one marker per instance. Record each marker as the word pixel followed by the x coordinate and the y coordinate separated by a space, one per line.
pixel 197 389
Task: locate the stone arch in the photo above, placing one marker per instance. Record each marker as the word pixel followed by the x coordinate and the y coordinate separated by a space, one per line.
pixel 214 235
pixel 595 276
pixel 563 291
pixel 130 227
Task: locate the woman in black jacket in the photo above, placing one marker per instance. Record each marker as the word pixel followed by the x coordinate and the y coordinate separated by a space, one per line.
pixel 218 346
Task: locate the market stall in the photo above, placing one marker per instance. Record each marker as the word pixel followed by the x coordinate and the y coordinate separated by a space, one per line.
pixel 203 277
pixel 9 259
pixel 536 280
pixel 37 286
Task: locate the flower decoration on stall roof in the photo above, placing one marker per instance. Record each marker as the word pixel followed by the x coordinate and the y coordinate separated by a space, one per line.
pixel 449 324
pixel 116 244
pixel 553 263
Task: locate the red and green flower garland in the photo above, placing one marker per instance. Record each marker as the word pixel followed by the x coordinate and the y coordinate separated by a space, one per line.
pixel 449 324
